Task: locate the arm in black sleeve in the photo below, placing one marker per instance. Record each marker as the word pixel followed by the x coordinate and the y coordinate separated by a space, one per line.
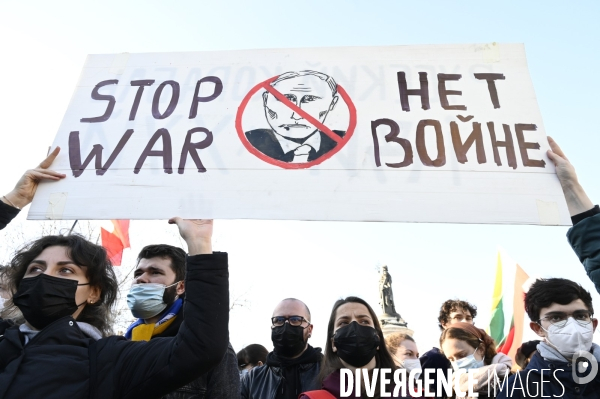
pixel 7 213
pixel 224 380
pixel 584 238
pixel 584 215
pixel 160 366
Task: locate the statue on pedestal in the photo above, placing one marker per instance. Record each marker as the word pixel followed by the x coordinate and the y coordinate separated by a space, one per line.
pixel 386 296
pixel 390 320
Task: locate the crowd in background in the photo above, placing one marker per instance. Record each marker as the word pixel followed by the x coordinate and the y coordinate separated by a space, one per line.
pixel 56 339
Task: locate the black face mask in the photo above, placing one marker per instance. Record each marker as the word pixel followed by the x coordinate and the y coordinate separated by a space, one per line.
pixel 43 299
pixel 288 340
pixel 356 344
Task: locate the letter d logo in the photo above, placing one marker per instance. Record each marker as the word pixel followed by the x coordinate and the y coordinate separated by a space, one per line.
pixel 591 360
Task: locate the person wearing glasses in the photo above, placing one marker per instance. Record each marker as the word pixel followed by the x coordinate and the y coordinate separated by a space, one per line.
pixel 452 311
pixel 566 361
pixel 294 365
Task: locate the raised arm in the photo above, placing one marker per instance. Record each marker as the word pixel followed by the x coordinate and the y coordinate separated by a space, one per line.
pixel 584 236
pixel 23 192
pixel 577 200
pixel 161 365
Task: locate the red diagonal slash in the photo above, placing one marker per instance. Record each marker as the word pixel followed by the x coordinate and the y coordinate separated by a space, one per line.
pixel 302 113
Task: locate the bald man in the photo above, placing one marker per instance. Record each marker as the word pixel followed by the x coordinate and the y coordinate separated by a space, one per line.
pixel 293 366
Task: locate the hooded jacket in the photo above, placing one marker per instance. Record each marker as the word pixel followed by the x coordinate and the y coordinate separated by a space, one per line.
pixel 61 361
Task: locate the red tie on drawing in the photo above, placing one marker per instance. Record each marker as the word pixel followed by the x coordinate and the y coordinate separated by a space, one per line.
pixel 117 241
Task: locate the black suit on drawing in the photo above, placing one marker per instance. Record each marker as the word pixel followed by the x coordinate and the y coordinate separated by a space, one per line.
pixel 264 141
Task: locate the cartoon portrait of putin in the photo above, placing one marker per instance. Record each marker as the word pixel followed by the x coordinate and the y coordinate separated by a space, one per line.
pixel 290 137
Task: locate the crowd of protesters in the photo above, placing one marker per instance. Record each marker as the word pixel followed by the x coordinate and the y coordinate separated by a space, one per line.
pixel 58 292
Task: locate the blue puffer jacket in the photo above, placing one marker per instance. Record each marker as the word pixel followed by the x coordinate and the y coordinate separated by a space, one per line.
pixel 555 378
pixel 584 237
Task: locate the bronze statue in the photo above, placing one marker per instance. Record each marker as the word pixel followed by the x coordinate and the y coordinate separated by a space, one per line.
pixel 386 296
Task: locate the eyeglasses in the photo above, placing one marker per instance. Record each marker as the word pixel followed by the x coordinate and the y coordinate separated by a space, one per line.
pixel 295 321
pixel 559 319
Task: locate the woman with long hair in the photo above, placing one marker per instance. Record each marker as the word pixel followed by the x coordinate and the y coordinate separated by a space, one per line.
pixel 470 349
pixel 65 289
pixel 355 341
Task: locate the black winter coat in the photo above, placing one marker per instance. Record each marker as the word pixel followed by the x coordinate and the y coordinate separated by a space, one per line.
pixel 222 382
pixel 7 213
pixel 263 382
pixel 544 378
pixel 62 362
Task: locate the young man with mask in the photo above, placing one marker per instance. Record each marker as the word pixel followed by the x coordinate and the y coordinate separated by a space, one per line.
pixel 156 299
pixel 294 365
pixel 561 313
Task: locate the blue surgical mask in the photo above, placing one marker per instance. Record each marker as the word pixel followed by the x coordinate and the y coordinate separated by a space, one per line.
pixel 468 362
pixel 146 300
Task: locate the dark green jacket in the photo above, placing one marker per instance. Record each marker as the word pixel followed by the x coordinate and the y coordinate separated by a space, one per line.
pixel 584 237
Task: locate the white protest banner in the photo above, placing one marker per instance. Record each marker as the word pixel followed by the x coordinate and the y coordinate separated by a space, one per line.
pixel 440 133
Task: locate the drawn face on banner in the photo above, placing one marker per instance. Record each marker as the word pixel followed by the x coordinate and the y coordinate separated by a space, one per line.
pixel 310 93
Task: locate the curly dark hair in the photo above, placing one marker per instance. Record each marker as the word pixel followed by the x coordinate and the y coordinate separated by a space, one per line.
pixel 451 305
pixel 545 292
pixel 98 268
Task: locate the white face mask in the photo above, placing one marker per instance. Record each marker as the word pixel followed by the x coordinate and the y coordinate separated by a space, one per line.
pixel 2 303
pixel 570 339
pixel 468 362
pixel 411 364
pixel 145 300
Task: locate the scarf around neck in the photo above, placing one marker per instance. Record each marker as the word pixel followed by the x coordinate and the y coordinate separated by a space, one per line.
pixel 551 354
pixel 140 331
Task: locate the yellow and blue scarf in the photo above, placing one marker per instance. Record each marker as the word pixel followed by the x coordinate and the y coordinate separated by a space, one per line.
pixel 140 331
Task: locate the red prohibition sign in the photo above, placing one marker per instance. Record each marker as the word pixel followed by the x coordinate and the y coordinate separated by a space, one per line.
pixel 341 141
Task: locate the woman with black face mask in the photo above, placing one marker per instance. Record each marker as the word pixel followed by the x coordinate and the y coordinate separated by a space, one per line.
pixel 65 288
pixel 355 341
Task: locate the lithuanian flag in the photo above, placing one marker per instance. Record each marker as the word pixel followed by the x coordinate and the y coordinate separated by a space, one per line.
pixel 496 329
pixel 508 342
